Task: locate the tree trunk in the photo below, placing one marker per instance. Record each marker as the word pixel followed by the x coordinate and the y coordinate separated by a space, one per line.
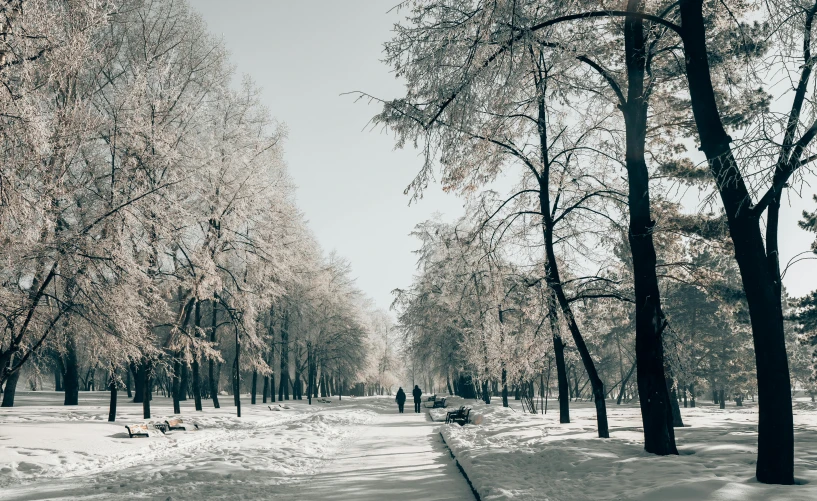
pixel 212 373
pixel 237 374
pixel 195 364
pixel 127 382
pixel 71 377
pixel 57 378
pixel 176 382
pixel 272 387
pixel 11 388
pixel 265 390
pixel 504 387
pixel 654 399
pixel 147 388
pixel 283 390
pixel 759 271
pixel 112 405
pixel 254 387
pixel 624 385
pixel 137 370
pixel 561 375
pixel 677 421
pixel 721 399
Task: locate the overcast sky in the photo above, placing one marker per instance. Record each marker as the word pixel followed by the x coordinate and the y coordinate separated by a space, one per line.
pixel 305 54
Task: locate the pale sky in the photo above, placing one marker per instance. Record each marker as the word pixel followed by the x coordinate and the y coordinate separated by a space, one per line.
pixel 305 54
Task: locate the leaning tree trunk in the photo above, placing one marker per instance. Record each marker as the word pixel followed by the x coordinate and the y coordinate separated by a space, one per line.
pixel 11 388
pixel 654 399
pixel 759 271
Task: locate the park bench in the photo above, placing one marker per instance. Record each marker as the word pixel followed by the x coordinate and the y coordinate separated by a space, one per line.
pixel 460 416
pixel 454 413
pixel 324 401
pixel 179 424
pixel 433 402
pixel 142 430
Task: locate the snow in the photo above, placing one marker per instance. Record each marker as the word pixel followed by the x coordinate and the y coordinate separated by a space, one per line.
pixel 513 455
pixel 359 448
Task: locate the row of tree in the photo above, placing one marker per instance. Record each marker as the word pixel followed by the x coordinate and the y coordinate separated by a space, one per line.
pixel 148 227
pixel 618 117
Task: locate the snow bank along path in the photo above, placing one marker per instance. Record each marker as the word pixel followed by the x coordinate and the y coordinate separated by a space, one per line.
pixel 354 449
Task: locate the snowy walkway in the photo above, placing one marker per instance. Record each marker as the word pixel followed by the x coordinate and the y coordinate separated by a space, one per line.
pixel 358 449
pixel 398 456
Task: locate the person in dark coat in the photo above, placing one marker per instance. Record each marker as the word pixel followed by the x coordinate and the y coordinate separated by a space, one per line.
pixel 400 399
pixel 417 392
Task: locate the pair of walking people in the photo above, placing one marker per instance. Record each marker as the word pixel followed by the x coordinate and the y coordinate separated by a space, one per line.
pixel 401 398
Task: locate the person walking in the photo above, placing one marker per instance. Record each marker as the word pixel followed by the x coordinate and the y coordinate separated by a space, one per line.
pixel 417 392
pixel 400 399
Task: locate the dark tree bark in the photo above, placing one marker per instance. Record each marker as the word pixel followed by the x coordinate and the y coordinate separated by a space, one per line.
pixel 265 390
pixel 309 382
pixel 195 366
pixel 212 372
pixel 654 399
pixel 561 375
pixel 184 382
pixel 137 369
pixel 721 399
pixel 504 387
pixel 112 405
pixel 177 387
pixel 254 387
pixel 283 390
pixel 237 373
pixel 677 420
pixel 57 377
pixel 127 382
pixel 272 387
pixel 71 377
pixel 146 371
pixel 11 388
pixel 759 265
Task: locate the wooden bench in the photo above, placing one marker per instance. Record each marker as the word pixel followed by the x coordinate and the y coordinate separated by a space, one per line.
pixel 439 403
pixel 141 430
pixel 179 424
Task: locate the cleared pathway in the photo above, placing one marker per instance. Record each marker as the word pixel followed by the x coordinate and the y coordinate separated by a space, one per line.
pixel 396 457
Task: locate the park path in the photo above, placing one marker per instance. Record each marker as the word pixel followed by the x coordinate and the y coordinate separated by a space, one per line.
pixel 395 457
pixel 355 449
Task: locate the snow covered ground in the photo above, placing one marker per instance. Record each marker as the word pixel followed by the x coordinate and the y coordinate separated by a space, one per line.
pixel 513 455
pixel 359 448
